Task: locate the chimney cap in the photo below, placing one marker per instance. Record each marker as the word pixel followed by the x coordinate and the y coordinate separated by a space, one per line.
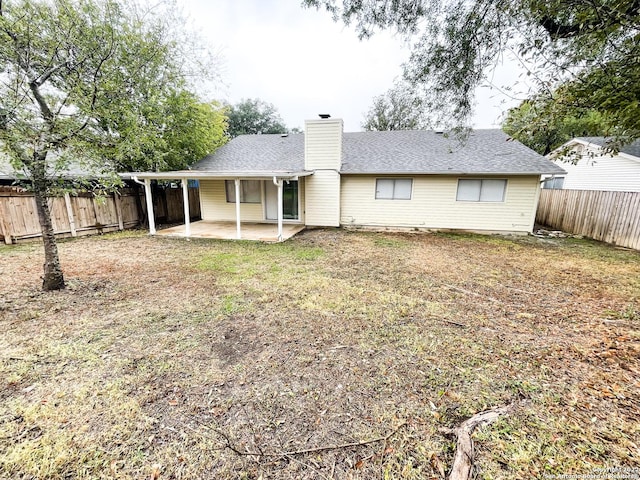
pixel 324 115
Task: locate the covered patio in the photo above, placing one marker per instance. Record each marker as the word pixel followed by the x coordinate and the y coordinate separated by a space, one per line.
pixel 263 232
pixel 275 230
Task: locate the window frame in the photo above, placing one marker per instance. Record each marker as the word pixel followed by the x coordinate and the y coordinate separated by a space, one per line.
pixel 551 183
pixel 393 194
pixel 230 191
pixel 482 180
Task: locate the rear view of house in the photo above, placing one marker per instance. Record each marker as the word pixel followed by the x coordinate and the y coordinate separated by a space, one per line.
pixel 423 180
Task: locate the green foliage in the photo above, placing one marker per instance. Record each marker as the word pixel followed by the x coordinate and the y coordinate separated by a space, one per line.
pixel 540 125
pixel 398 109
pixel 101 84
pixel 192 130
pixel 585 55
pixel 254 116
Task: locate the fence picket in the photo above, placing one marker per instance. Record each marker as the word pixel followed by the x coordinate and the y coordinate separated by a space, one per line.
pixel 613 217
pixel 82 214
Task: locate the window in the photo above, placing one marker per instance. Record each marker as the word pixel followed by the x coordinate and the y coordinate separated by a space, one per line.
pixel 553 183
pixel 394 188
pixel 481 190
pixel 250 191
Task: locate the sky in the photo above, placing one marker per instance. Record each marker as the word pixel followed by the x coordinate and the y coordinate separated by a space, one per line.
pixel 304 63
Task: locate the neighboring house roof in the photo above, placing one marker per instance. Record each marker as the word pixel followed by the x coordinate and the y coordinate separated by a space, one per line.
pixel 396 152
pixel 72 170
pixel 632 149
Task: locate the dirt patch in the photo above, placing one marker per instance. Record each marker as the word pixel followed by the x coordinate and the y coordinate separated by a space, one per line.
pixel 237 340
pixel 178 359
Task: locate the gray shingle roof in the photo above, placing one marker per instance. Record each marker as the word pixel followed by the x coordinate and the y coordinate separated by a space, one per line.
pixel 631 149
pixel 419 151
pixel 413 151
pixel 257 153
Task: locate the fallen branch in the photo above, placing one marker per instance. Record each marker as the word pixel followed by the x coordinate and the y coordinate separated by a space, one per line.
pixel 461 325
pixel 469 292
pixel 236 450
pixel 463 459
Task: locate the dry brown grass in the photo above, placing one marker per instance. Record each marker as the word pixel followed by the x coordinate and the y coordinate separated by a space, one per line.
pixel 162 353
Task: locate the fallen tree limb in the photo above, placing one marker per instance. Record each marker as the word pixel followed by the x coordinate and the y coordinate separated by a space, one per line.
pixel 469 292
pixel 463 459
pixel 235 449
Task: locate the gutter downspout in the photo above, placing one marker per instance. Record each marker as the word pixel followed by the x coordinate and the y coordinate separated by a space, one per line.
pixel 149 200
pixel 278 183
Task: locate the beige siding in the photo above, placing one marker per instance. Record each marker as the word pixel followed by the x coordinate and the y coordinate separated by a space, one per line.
pixel 433 205
pixel 214 205
pixel 322 199
pixel 602 172
pixel 323 144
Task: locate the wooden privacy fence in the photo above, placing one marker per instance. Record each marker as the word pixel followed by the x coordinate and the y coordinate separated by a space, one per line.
pixel 84 214
pixel 612 217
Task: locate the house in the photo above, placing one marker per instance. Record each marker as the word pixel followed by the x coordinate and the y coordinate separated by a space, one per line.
pixel 71 171
pixel 421 180
pixel 596 169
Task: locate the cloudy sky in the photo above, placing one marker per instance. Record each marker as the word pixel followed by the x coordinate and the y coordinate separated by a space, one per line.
pixel 305 64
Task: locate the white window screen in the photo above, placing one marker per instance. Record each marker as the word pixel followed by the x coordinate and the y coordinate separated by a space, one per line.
pixel 471 190
pixel 384 188
pixel 402 190
pixel 394 188
pixel 250 191
pixel 492 190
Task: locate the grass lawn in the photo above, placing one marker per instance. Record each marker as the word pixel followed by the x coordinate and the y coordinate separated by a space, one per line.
pixel 173 359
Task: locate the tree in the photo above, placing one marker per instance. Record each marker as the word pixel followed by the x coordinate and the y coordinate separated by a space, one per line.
pixel 254 116
pixel 537 124
pixel 398 109
pixel 591 49
pixel 89 80
pixel 192 130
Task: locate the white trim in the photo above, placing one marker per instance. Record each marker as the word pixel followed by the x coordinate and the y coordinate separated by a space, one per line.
pixel 594 146
pixel 278 183
pixel 187 215
pixel 231 175
pixel 149 199
pixel 238 233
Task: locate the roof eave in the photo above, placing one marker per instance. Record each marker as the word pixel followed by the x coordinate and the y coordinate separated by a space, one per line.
pixel 458 172
pixel 204 174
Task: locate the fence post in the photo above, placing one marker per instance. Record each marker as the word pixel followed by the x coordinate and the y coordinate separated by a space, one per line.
pixel 5 230
pixel 72 221
pixel 116 200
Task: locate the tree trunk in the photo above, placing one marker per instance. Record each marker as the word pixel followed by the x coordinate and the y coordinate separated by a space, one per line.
pixel 53 278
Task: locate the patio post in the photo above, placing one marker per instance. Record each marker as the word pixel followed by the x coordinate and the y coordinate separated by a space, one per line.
pixel 187 214
pixel 278 183
pixel 149 199
pixel 238 234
